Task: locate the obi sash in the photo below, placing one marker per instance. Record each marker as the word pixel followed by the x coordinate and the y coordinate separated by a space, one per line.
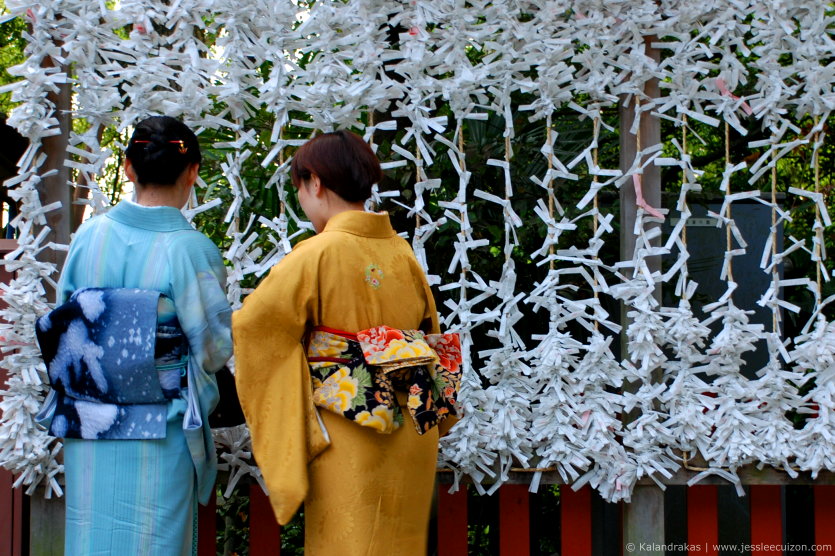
pixel 114 357
pixel 357 375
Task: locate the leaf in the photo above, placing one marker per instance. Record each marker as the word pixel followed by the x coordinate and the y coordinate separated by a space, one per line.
pixel 363 376
pixel 438 385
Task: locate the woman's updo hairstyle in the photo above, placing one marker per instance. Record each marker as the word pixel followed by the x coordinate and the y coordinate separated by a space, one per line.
pixel 344 163
pixel 160 149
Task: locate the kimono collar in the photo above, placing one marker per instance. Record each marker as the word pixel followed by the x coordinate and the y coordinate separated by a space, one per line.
pixel 156 219
pixel 359 223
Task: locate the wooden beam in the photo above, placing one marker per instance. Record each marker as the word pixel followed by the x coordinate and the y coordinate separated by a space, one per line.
pixel 748 476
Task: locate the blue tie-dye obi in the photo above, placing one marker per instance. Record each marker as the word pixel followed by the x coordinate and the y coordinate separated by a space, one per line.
pixel 114 356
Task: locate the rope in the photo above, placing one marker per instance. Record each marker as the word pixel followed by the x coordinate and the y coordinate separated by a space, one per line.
pixel 596 219
pixel 507 197
pixel 418 178
pixel 685 454
pixel 727 214
pixel 551 249
pixel 462 163
pixel 775 273
pixel 371 144
pixel 684 175
pixel 819 230
pixel 638 134
pixel 281 160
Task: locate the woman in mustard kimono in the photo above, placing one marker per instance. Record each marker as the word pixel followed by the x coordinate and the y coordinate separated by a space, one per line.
pixel 343 392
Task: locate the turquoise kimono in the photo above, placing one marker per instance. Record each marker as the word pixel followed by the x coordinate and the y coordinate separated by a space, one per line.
pixel 139 496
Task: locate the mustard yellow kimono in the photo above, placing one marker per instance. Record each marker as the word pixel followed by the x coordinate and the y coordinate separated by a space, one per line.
pixel 364 492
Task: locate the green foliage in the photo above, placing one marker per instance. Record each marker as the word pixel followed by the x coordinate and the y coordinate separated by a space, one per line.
pixel 12 47
pixel 233 523
pixel 292 535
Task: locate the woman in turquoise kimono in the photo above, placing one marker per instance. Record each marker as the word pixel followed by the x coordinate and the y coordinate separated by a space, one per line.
pixel 128 495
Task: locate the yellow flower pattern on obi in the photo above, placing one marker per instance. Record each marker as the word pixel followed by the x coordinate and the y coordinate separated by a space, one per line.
pixel 336 392
pixel 356 375
pixel 325 344
pixel 381 419
pixel 393 349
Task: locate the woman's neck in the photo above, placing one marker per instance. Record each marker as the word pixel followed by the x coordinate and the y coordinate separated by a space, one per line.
pixel 161 196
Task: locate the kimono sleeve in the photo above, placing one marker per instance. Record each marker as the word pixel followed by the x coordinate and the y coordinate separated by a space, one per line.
pixel 197 288
pixel 273 379
pixel 198 278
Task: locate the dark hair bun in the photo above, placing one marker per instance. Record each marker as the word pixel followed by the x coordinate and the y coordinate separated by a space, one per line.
pixel 344 163
pixel 160 149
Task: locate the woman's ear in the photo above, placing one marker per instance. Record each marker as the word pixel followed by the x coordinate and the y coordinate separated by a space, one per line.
pixel 130 172
pixel 191 173
pixel 315 185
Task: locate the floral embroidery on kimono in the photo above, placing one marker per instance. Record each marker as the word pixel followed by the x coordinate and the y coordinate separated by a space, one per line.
pixel 374 275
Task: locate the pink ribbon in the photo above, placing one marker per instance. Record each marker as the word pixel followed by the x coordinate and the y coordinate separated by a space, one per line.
pixel 6 342
pixel 723 88
pixel 639 198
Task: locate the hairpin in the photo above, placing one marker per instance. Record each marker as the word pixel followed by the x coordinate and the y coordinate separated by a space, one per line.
pixel 182 146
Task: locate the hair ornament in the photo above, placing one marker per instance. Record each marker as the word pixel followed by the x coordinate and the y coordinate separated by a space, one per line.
pixel 181 146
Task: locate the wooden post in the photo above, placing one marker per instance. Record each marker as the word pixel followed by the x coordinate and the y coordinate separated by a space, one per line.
pixel 643 523
pixel 452 521
pixel 575 521
pixel 703 519
pixel 56 187
pixel 264 531
pixel 46 525
pixel 514 520
pixel 46 517
pixel 207 528
pixel 11 516
pixel 825 518
pixel 766 517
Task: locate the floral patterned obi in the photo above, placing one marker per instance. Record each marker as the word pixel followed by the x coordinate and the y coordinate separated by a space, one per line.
pixel 357 375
